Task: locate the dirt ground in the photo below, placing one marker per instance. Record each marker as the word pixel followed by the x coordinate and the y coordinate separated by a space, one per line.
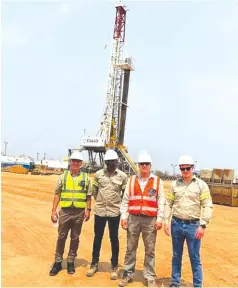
pixel 29 238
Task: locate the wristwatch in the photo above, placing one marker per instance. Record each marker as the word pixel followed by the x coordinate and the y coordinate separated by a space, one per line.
pixel 89 209
pixel 203 226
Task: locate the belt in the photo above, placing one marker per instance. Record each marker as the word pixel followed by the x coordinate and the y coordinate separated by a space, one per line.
pixel 72 208
pixel 191 221
pixel 141 215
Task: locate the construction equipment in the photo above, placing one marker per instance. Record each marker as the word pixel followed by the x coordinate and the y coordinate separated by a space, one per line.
pixel 18 169
pixel 221 184
pixel 112 127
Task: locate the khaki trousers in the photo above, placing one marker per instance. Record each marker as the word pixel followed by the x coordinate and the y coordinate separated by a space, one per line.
pixel 146 226
pixel 69 219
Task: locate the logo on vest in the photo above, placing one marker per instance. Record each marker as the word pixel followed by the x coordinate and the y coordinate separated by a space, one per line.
pixel 82 183
pixel 152 192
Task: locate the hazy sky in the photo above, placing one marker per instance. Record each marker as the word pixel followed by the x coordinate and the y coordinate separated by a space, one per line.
pixel 183 95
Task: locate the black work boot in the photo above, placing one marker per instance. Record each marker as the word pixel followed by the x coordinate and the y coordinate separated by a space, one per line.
pixel 70 267
pixel 55 269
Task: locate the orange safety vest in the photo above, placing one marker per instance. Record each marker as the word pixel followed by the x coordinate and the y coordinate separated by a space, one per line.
pixel 145 202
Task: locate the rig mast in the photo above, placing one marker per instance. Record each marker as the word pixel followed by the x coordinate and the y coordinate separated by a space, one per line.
pixel 112 126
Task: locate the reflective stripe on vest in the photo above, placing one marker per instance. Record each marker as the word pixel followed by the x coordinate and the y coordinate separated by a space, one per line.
pixel 74 192
pixel 145 202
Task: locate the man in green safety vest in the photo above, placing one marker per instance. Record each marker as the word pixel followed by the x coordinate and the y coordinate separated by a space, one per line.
pixel 74 195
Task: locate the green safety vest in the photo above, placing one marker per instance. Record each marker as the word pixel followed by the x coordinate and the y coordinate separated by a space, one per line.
pixel 74 192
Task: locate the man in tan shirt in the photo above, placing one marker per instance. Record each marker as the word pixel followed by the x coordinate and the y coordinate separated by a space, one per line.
pixel 187 196
pixel 108 188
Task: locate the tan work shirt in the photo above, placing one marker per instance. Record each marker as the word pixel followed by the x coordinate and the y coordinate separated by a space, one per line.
pixel 59 185
pixel 186 201
pixel 108 191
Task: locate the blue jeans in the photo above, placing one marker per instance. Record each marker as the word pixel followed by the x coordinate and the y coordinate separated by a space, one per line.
pixel 181 231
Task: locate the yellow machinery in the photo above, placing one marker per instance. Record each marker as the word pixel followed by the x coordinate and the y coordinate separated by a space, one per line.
pixel 221 184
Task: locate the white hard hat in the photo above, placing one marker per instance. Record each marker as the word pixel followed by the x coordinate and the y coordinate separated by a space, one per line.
pixel 76 156
pixel 185 159
pixel 144 157
pixel 110 155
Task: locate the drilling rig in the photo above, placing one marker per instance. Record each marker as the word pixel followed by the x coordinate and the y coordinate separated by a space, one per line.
pixel 112 126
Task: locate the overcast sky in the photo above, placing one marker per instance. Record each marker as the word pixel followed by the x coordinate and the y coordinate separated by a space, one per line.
pixel 183 95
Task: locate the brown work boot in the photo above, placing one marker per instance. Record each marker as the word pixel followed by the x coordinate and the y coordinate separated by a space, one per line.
pixel 93 269
pixel 125 280
pixel 151 283
pixel 114 275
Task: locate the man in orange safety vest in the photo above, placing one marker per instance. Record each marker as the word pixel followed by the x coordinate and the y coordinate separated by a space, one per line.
pixel 144 201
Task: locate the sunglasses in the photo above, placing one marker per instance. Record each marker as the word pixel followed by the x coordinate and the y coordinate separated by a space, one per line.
pixel 144 163
pixel 186 168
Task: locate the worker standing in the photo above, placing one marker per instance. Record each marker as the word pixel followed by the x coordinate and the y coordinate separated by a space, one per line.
pixel 74 195
pixel 144 200
pixel 108 188
pixel 187 196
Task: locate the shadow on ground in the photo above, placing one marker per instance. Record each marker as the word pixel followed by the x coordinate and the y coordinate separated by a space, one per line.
pixel 166 281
